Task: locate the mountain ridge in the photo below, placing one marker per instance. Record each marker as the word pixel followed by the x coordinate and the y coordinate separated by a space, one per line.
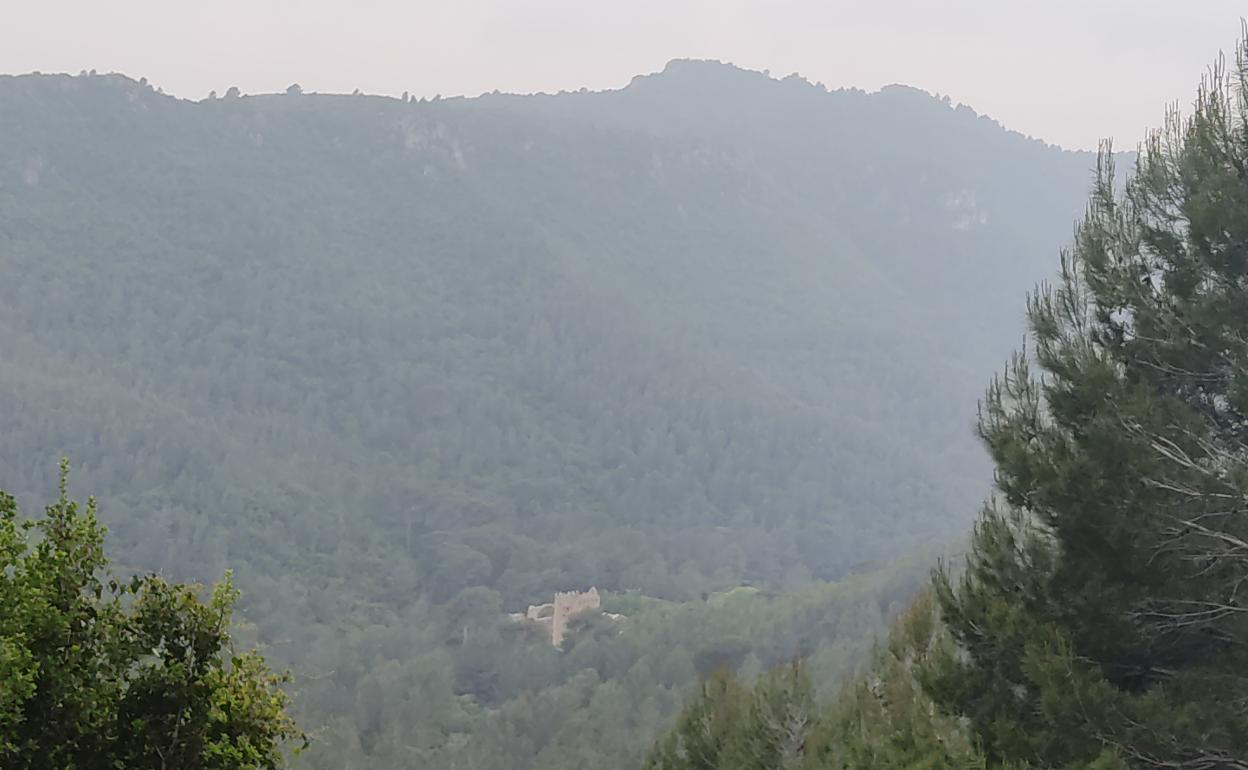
pixel 725 72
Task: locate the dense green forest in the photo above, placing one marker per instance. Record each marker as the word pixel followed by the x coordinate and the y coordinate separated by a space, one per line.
pixel 710 343
pixel 1099 620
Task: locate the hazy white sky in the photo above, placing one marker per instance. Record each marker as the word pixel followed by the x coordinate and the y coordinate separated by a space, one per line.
pixel 1069 71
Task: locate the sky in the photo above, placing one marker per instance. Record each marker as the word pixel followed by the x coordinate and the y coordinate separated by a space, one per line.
pixel 1068 71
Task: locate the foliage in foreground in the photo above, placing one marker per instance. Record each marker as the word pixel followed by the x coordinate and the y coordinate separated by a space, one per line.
pixel 100 673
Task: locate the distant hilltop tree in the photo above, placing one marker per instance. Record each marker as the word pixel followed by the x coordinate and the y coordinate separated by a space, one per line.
pixel 294 89
pixel 232 92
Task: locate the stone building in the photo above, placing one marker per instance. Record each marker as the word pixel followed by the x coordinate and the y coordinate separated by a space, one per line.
pixel 567 606
pixel 554 617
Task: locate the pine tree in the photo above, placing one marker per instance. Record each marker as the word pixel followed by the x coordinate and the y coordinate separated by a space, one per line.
pixel 778 721
pixel 884 719
pixel 726 726
pixel 1102 619
pixel 707 728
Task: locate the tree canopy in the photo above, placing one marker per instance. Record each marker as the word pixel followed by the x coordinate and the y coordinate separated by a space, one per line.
pixel 97 672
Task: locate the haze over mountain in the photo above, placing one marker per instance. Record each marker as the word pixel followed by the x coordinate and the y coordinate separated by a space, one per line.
pixel 407 365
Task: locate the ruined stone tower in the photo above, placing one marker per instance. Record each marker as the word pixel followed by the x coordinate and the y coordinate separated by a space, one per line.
pixel 567 606
pixel 554 617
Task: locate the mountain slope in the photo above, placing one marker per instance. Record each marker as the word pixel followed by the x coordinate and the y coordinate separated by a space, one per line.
pixel 707 330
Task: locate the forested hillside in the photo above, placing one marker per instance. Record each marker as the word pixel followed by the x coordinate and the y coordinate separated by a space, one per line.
pixel 406 366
